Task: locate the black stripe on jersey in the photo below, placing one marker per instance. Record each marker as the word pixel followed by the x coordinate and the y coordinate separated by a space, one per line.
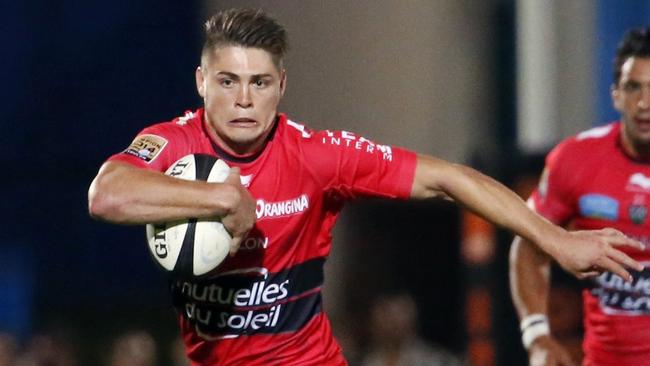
pixel 280 318
pixel 242 304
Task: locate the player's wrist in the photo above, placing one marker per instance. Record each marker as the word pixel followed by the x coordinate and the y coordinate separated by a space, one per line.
pixel 533 327
pixel 549 238
pixel 225 199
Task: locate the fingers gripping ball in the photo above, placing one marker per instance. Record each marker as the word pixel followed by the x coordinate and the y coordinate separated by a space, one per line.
pixel 191 247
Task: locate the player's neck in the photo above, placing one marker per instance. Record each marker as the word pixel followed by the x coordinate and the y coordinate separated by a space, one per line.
pixel 639 152
pixel 242 150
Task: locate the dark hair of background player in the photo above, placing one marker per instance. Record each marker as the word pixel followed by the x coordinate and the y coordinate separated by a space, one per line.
pixel 635 43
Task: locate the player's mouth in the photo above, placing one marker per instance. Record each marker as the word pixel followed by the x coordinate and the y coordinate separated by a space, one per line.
pixel 642 121
pixel 243 122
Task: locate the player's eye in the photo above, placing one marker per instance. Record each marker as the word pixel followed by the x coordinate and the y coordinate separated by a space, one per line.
pixel 227 82
pixel 260 83
pixel 631 86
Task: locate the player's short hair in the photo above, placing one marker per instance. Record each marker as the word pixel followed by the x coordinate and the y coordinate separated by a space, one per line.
pixel 246 28
pixel 635 43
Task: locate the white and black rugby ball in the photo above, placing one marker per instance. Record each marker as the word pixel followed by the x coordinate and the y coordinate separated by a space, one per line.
pixel 191 247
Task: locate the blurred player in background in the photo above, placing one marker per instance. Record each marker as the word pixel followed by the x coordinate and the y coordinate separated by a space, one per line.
pixel 263 306
pixel 599 178
pixel 133 348
pixel 395 341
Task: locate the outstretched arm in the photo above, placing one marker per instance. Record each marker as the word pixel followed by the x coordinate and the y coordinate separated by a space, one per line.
pixel 123 194
pixel 582 253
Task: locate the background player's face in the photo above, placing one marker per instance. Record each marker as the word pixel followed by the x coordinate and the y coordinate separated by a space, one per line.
pixel 632 99
pixel 241 88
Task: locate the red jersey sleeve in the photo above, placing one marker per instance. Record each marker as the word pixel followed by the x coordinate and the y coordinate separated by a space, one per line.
pixel 353 166
pixel 553 197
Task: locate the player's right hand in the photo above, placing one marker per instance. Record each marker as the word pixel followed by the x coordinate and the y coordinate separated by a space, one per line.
pixel 588 253
pixel 241 214
pixel 546 351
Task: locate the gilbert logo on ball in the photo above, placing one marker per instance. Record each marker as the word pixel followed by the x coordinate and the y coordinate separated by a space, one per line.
pixel 191 247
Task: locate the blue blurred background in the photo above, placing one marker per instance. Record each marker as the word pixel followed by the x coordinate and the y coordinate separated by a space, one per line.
pixel 81 78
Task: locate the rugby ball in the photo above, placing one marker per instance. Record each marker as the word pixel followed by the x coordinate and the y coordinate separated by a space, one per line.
pixel 191 247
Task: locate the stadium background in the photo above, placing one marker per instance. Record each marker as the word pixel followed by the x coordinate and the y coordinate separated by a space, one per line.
pixel 489 83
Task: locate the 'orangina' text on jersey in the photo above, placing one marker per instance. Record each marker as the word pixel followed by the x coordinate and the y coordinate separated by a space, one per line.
pixel 263 306
pixel 589 183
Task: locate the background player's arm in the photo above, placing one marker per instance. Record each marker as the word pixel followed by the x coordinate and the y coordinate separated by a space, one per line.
pixel 529 277
pixel 582 253
pixel 530 285
pixel 124 194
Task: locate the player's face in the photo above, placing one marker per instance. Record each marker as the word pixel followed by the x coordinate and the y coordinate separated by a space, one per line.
pixel 241 88
pixel 632 99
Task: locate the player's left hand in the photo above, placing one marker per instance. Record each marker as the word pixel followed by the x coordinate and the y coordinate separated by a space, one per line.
pixel 588 253
pixel 241 217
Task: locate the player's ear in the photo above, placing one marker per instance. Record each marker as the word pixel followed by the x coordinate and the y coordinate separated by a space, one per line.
pixel 283 81
pixel 200 81
pixel 616 97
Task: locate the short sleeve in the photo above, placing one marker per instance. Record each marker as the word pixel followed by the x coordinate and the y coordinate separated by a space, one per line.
pixel 352 166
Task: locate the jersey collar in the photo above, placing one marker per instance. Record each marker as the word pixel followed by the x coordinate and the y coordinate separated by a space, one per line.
pixel 624 150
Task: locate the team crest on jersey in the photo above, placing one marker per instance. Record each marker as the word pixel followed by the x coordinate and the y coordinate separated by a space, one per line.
pixel 146 147
pixel 638 213
pixel 598 206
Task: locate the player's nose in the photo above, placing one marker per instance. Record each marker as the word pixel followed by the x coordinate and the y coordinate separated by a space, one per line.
pixel 244 97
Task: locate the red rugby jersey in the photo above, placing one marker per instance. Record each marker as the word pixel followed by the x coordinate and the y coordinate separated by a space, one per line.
pixel 590 183
pixel 263 307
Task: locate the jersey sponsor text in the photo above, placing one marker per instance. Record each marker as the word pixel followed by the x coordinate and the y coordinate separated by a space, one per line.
pixel 617 296
pixel 282 208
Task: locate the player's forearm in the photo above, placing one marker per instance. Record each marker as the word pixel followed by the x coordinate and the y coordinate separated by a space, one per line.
pixel 529 278
pixel 124 194
pixel 486 197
